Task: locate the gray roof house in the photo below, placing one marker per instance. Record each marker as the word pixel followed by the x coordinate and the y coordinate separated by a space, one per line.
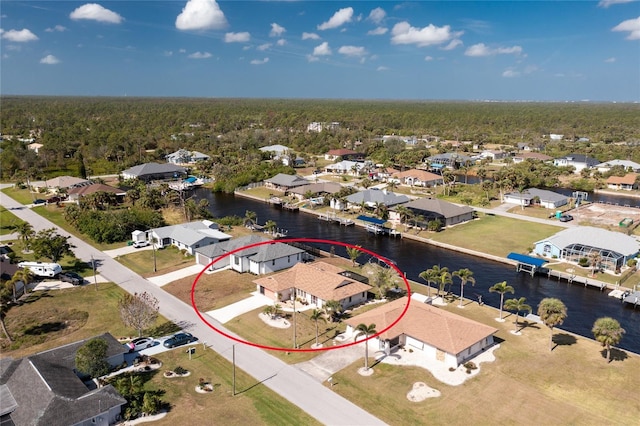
pixel 189 236
pixel 183 156
pixel 371 197
pixel 572 244
pixel 579 161
pixel 265 257
pixel 44 389
pixel 547 199
pixel 276 149
pixel 320 188
pixel 435 209
pixel 284 182
pixel 629 166
pixel 452 160
pixel 154 171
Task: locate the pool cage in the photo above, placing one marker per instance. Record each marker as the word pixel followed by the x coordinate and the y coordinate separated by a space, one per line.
pixel 608 260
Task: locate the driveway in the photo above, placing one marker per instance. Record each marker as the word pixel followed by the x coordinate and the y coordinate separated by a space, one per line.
pixel 229 312
pixel 125 250
pixel 161 280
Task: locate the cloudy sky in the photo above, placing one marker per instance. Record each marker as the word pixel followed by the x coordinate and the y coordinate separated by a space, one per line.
pixel 464 50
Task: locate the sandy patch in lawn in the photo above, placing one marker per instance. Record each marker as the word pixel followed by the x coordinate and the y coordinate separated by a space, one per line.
pixel 420 391
pixel 277 322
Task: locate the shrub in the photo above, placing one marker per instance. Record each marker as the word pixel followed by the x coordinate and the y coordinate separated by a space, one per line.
pixel 469 365
pixel 180 370
pixel 583 261
pixel 452 369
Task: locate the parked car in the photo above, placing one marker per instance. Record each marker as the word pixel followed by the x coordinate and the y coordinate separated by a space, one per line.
pixel 39 201
pixel 55 199
pixel 71 277
pixel 140 343
pixel 566 218
pixel 139 244
pixel 179 339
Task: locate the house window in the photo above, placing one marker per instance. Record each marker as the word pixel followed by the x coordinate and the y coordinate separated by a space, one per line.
pixel 288 259
pixel 273 262
pixel 236 261
pixel 547 249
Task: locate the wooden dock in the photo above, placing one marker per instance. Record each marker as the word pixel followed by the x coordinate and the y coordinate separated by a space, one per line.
pixel 573 279
pixel 291 207
pixel 335 219
pixel 633 298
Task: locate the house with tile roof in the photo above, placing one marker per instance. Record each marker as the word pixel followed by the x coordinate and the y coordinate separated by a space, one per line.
pixel 435 209
pixel 45 389
pixel 285 182
pixel 264 257
pixel 342 153
pixel 61 182
pixel 188 236
pixel 528 197
pixel 154 171
pixel 75 194
pixel 578 161
pixel 439 335
pixel 416 177
pixel 627 182
pixel 315 283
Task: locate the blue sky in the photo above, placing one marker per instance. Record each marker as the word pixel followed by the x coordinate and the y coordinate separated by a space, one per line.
pixel 428 50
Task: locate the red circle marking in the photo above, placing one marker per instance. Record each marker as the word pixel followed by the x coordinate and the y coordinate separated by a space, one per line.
pixel 302 240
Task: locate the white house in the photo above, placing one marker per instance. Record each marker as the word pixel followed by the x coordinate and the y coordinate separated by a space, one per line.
pixel 345 167
pixel 183 156
pixel 531 196
pixel 578 161
pixel 188 236
pixel 438 335
pixel 630 166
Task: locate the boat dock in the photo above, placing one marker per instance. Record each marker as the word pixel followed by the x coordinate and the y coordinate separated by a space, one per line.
pixel 632 298
pixel 574 279
pixel 290 207
pixel 335 219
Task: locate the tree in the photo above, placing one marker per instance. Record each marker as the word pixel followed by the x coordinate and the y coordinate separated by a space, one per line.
pixel 366 330
pixel 6 302
pixel 429 276
pixel 271 226
pixel 250 218
pixel 443 277
pixel 517 305
pixel 138 311
pixel 501 288
pixel 353 253
pixel 595 258
pixel 25 276
pixel 25 232
pixel 317 315
pixel 608 332
pixel 332 308
pixel 380 278
pixel 91 358
pixel 465 276
pixel 552 312
pixel 272 310
pixel 48 243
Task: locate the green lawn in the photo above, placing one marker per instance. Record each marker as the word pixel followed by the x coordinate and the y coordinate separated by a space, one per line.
pixel 7 221
pixel 23 196
pixel 167 259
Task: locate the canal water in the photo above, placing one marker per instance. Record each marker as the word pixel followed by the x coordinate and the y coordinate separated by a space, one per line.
pixel 584 305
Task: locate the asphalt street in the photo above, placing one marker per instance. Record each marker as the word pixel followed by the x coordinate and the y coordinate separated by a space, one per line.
pixel 288 381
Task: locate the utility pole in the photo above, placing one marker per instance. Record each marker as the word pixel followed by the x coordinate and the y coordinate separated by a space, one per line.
pixel 293 298
pixel 93 264
pixel 233 348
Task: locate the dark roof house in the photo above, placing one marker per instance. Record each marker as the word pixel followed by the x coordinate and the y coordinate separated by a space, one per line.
pixel 154 171
pixel 436 209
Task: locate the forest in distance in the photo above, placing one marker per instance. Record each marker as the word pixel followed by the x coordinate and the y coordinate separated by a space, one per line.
pixel 107 135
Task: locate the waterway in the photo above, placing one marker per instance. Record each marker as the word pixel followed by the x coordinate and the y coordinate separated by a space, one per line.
pixel 584 305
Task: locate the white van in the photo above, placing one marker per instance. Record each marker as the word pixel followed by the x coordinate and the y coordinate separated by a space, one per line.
pixel 41 269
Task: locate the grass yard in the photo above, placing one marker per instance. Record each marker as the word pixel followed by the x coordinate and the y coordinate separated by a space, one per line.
pixel 496 235
pixel 7 221
pixel 23 196
pixel 167 260
pixel 253 403
pixel 527 384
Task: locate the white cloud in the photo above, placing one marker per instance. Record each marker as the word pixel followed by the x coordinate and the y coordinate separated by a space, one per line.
pixel 57 28
pixel 50 60
pixel 378 31
pixel 168 53
pixel 276 30
pixel 310 36
pixel 356 51
pixel 510 73
pixel 607 3
pixel 377 15
pixel 182 50
pixel 14 47
pixel 237 37
pixel 382 68
pixel 201 15
pixel 200 55
pixel 95 12
pixel 322 50
pixel 312 58
pixel 259 61
pixel 482 49
pixel 631 25
pixel 403 33
pixel 19 36
pixel 263 47
pixel 339 18
pixel 246 47
pixel 281 42
pixel 610 60
pixel 428 58
pixel 453 44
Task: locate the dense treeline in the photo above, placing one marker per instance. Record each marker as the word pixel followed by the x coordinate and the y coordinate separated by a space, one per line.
pixel 107 135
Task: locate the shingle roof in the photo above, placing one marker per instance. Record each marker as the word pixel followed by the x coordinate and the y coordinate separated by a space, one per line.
pixel 153 168
pixel 328 187
pixel 543 194
pixel 319 279
pixel 422 175
pixel 282 179
pixel 625 163
pixel 93 188
pixel 628 179
pixel 190 233
pixel 595 237
pixel 65 182
pixel 261 253
pixel 446 331
pixel 441 207
pixel 581 158
pixel 377 196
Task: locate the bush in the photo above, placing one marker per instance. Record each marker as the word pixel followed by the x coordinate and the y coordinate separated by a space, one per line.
pixel 469 365
pixel 583 262
pixel 179 370
pixel 631 263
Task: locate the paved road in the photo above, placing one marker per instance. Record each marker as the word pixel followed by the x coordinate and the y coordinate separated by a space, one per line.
pixel 290 382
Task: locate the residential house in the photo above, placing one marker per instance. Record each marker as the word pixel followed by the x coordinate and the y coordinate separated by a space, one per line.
pixel 314 283
pixel 383 173
pixel 35 147
pixel 276 150
pixel 555 137
pixel 75 194
pixel 319 189
pixel 493 154
pixel 531 196
pixel 627 182
pixel 319 127
pixel 531 156
pixel 154 171
pixel 371 198
pixel 572 244
pixel 347 167
pixel 629 166
pixel 183 156
pixel 61 182
pixel 45 389
pixel 342 154
pixel 435 209
pixel 450 160
pixel 262 255
pixel 438 335
pixel 416 177
pixel 407 140
pixel 284 182
pixel 578 161
pixel 188 236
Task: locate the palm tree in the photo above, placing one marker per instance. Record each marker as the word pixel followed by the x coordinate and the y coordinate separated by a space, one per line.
pixel 443 277
pixel 353 253
pixel 332 308
pixel 596 258
pixel 465 276
pixel 316 316
pixel 250 218
pixel 25 232
pixel 21 275
pixel 367 330
pixel 552 312
pixel 430 277
pixel 271 226
pixel 517 305
pixel 608 332
pixel 381 278
pixel 501 288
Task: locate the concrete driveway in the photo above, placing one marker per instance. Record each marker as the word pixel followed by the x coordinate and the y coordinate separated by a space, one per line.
pixel 229 312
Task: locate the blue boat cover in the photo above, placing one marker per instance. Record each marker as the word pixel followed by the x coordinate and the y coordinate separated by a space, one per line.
pixel 373 220
pixel 191 179
pixel 528 260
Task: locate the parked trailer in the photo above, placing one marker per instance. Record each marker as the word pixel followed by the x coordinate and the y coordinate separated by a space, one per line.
pixel 41 269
